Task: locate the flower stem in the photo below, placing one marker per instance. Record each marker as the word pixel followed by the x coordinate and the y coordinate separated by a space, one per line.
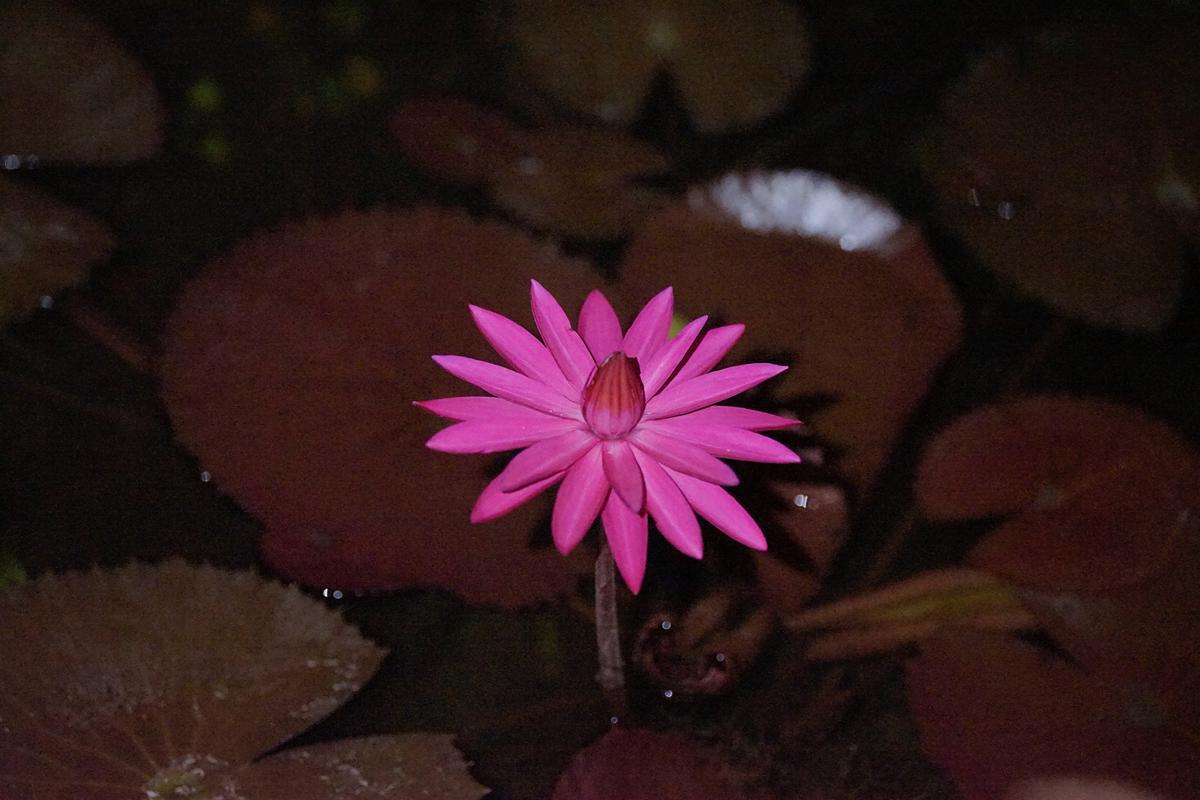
pixel 611 676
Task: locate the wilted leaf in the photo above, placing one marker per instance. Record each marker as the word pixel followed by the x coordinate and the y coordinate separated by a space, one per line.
pixel 45 245
pixel 1092 492
pixel 646 765
pixel 118 683
pixel 290 367
pixel 995 711
pixel 733 65
pixel 69 92
pixel 1068 163
pixel 845 264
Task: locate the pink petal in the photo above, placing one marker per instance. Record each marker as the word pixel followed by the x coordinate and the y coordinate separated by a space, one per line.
pixel 545 458
pixel 660 366
pixel 723 441
pixel 503 382
pixel 626 535
pixel 738 417
pixel 683 456
pixel 579 501
pixel 670 510
pixel 649 331
pixel 712 348
pixel 498 435
pixel 521 348
pixel 718 507
pixel 713 387
pixel 463 408
pixel 493 503
pixel 621 469
pixel 599 326
pixel 568 349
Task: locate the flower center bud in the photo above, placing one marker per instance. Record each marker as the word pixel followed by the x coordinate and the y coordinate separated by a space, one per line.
pixel 614 399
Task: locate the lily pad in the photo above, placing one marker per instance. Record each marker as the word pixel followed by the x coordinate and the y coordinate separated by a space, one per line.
pixel 161 678
pixel 808 263
pixel 647 765
pixel 290 367
pixel 45 246
pixel 1091 493
pixel 580 182
pixel 995 712
pixel 1067 162
pixel 732 64
pixel 69 92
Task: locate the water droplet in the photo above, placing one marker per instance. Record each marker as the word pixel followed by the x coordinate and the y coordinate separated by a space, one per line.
pixel 205 476
pixel 1006 209
pixel 800 500
pixel 973 197
pixel 668 693
pixel 46 301
pixel 665 625
pixel 613 720
pixel 720 658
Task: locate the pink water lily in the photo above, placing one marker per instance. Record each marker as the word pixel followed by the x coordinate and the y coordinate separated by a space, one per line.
pixel 626 422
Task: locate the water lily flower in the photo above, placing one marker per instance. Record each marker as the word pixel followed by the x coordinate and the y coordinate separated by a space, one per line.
pixel 625 421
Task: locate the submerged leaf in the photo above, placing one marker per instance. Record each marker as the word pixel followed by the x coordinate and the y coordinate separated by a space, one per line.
pixel 69 92
pixel 290 367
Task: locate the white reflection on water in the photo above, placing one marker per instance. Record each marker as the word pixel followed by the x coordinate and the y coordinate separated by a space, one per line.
pixel 804 203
